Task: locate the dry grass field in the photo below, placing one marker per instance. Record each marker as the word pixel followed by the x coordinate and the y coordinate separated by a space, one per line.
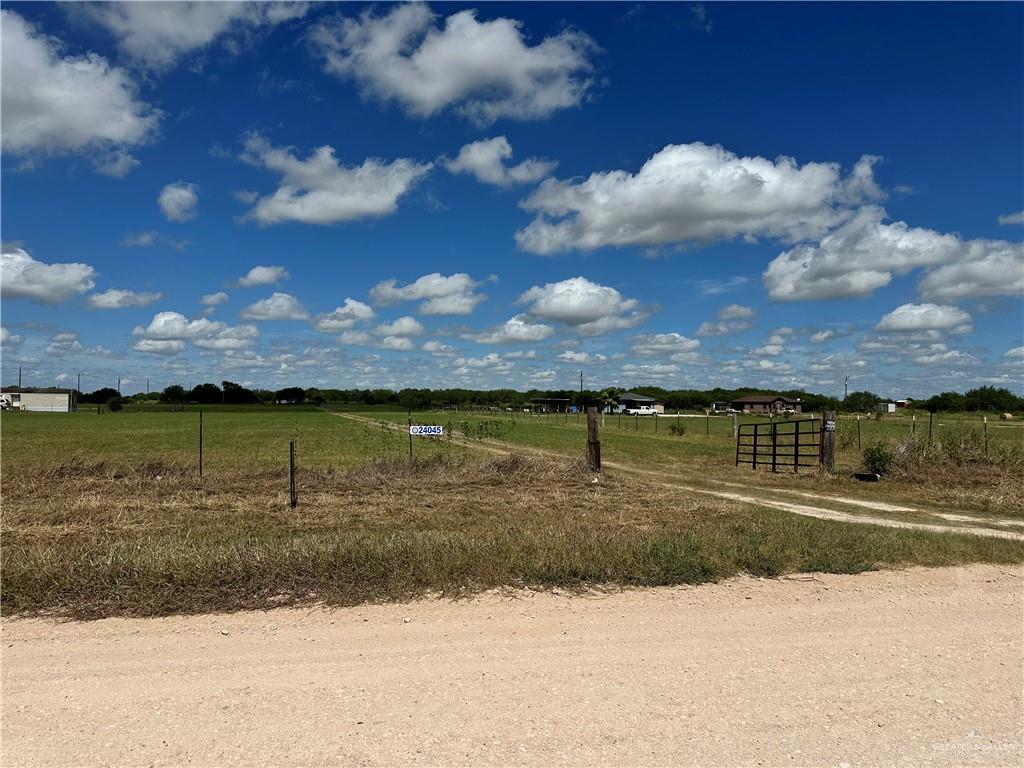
pixel 106 515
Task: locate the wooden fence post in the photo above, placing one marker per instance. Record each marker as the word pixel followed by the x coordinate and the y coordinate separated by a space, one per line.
pixel 735 425
pixel 858 431
pixel 593 441
pixel 828 440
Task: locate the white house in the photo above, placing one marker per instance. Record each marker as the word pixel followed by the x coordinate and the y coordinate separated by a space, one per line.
pixel 43 400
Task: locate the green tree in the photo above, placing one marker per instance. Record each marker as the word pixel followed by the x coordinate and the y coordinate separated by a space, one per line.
pixel 207 394
pixel 236 394
pixel 173 394
pixel 861 402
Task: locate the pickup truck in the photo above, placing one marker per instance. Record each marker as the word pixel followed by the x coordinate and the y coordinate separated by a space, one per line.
pixel 641 410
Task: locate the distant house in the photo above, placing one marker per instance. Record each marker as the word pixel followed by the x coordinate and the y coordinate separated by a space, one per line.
pixel 886 407
pixel 766 404
pixel 904 403
pixel 550 404
pixel 40 399
pixel 632 401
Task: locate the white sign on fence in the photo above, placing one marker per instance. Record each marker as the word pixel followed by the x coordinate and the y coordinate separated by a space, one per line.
pixel 426 430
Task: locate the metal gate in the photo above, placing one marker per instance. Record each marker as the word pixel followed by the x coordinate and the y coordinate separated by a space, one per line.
pixel 785 444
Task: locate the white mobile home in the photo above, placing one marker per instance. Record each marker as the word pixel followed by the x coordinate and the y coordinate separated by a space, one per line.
pixel 42 400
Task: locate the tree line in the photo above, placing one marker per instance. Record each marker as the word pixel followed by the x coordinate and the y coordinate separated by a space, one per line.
pixel 991 399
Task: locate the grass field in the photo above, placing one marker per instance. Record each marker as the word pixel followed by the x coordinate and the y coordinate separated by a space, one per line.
pixel 106 515
pixel 705 454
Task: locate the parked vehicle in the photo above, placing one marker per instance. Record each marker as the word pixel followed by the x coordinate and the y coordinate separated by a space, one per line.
pixel 642 410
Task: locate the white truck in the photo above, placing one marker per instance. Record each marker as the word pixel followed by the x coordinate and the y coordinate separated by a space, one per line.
pixel 642 410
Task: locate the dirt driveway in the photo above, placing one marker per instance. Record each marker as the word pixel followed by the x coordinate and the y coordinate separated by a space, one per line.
pixel 920 667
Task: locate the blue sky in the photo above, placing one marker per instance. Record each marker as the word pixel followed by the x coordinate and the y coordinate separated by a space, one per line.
pixel 501 195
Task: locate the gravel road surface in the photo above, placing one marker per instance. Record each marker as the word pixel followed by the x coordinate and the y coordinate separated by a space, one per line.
pixel 918 667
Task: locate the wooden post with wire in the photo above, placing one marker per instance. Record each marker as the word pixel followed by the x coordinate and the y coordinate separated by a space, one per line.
pixel 593 441
pixel 828 440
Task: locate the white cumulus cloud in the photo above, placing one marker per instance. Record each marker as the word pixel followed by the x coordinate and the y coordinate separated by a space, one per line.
pixel 159 346
pixel 670 345
pixel 486 160
pixel 516 330
pixel 53 102
pixel 732 318
pixel 343 318
pixel 114 298
pixel 403 326
pixel 10 340
pixel 178 201
pixel 263 276
pixel 482 70
pixel 864 254
pixel 690 193
pixel 277 306
pixel 441 295
pixel 925 317
pixel 1012 218
pixel 174 325
pixel 157 34
pixel 592 309
pixel 320 190
pixel 22 277
pixel 213 299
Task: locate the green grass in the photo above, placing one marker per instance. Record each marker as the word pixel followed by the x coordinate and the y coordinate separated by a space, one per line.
pixel 234 439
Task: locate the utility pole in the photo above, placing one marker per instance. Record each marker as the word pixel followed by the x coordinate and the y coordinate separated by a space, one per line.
pixel 19 377
pixel 846 388
pixel 147 386
pixel 581 382
pixel 119 385
pixel 79 387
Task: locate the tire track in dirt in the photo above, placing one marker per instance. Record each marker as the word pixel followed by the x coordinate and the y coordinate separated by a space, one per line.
pixel 822 513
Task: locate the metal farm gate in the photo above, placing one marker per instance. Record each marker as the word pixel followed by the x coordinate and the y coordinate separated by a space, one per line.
pixel 785 444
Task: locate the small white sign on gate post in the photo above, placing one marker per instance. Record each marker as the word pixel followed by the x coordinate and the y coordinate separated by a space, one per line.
pixel 426 430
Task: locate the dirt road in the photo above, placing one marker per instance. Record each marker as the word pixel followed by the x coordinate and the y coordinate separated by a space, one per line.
pixel 921 667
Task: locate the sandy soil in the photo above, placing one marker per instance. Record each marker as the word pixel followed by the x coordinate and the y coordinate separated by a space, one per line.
pixel 919 667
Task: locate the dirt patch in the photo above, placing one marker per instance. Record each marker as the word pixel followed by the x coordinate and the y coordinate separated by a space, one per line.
pixel 918 667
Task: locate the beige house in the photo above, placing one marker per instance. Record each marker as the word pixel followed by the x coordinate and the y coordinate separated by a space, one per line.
pixel 766 404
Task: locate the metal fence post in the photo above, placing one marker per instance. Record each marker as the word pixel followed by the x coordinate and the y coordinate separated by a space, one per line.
pixel 410 435
pixel 200 442
pixel 858 431
pixel 775 448
pixel 293 495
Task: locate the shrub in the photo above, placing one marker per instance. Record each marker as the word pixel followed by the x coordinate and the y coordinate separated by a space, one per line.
pixel 879 458
pixel 115 404
pixel 678 428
